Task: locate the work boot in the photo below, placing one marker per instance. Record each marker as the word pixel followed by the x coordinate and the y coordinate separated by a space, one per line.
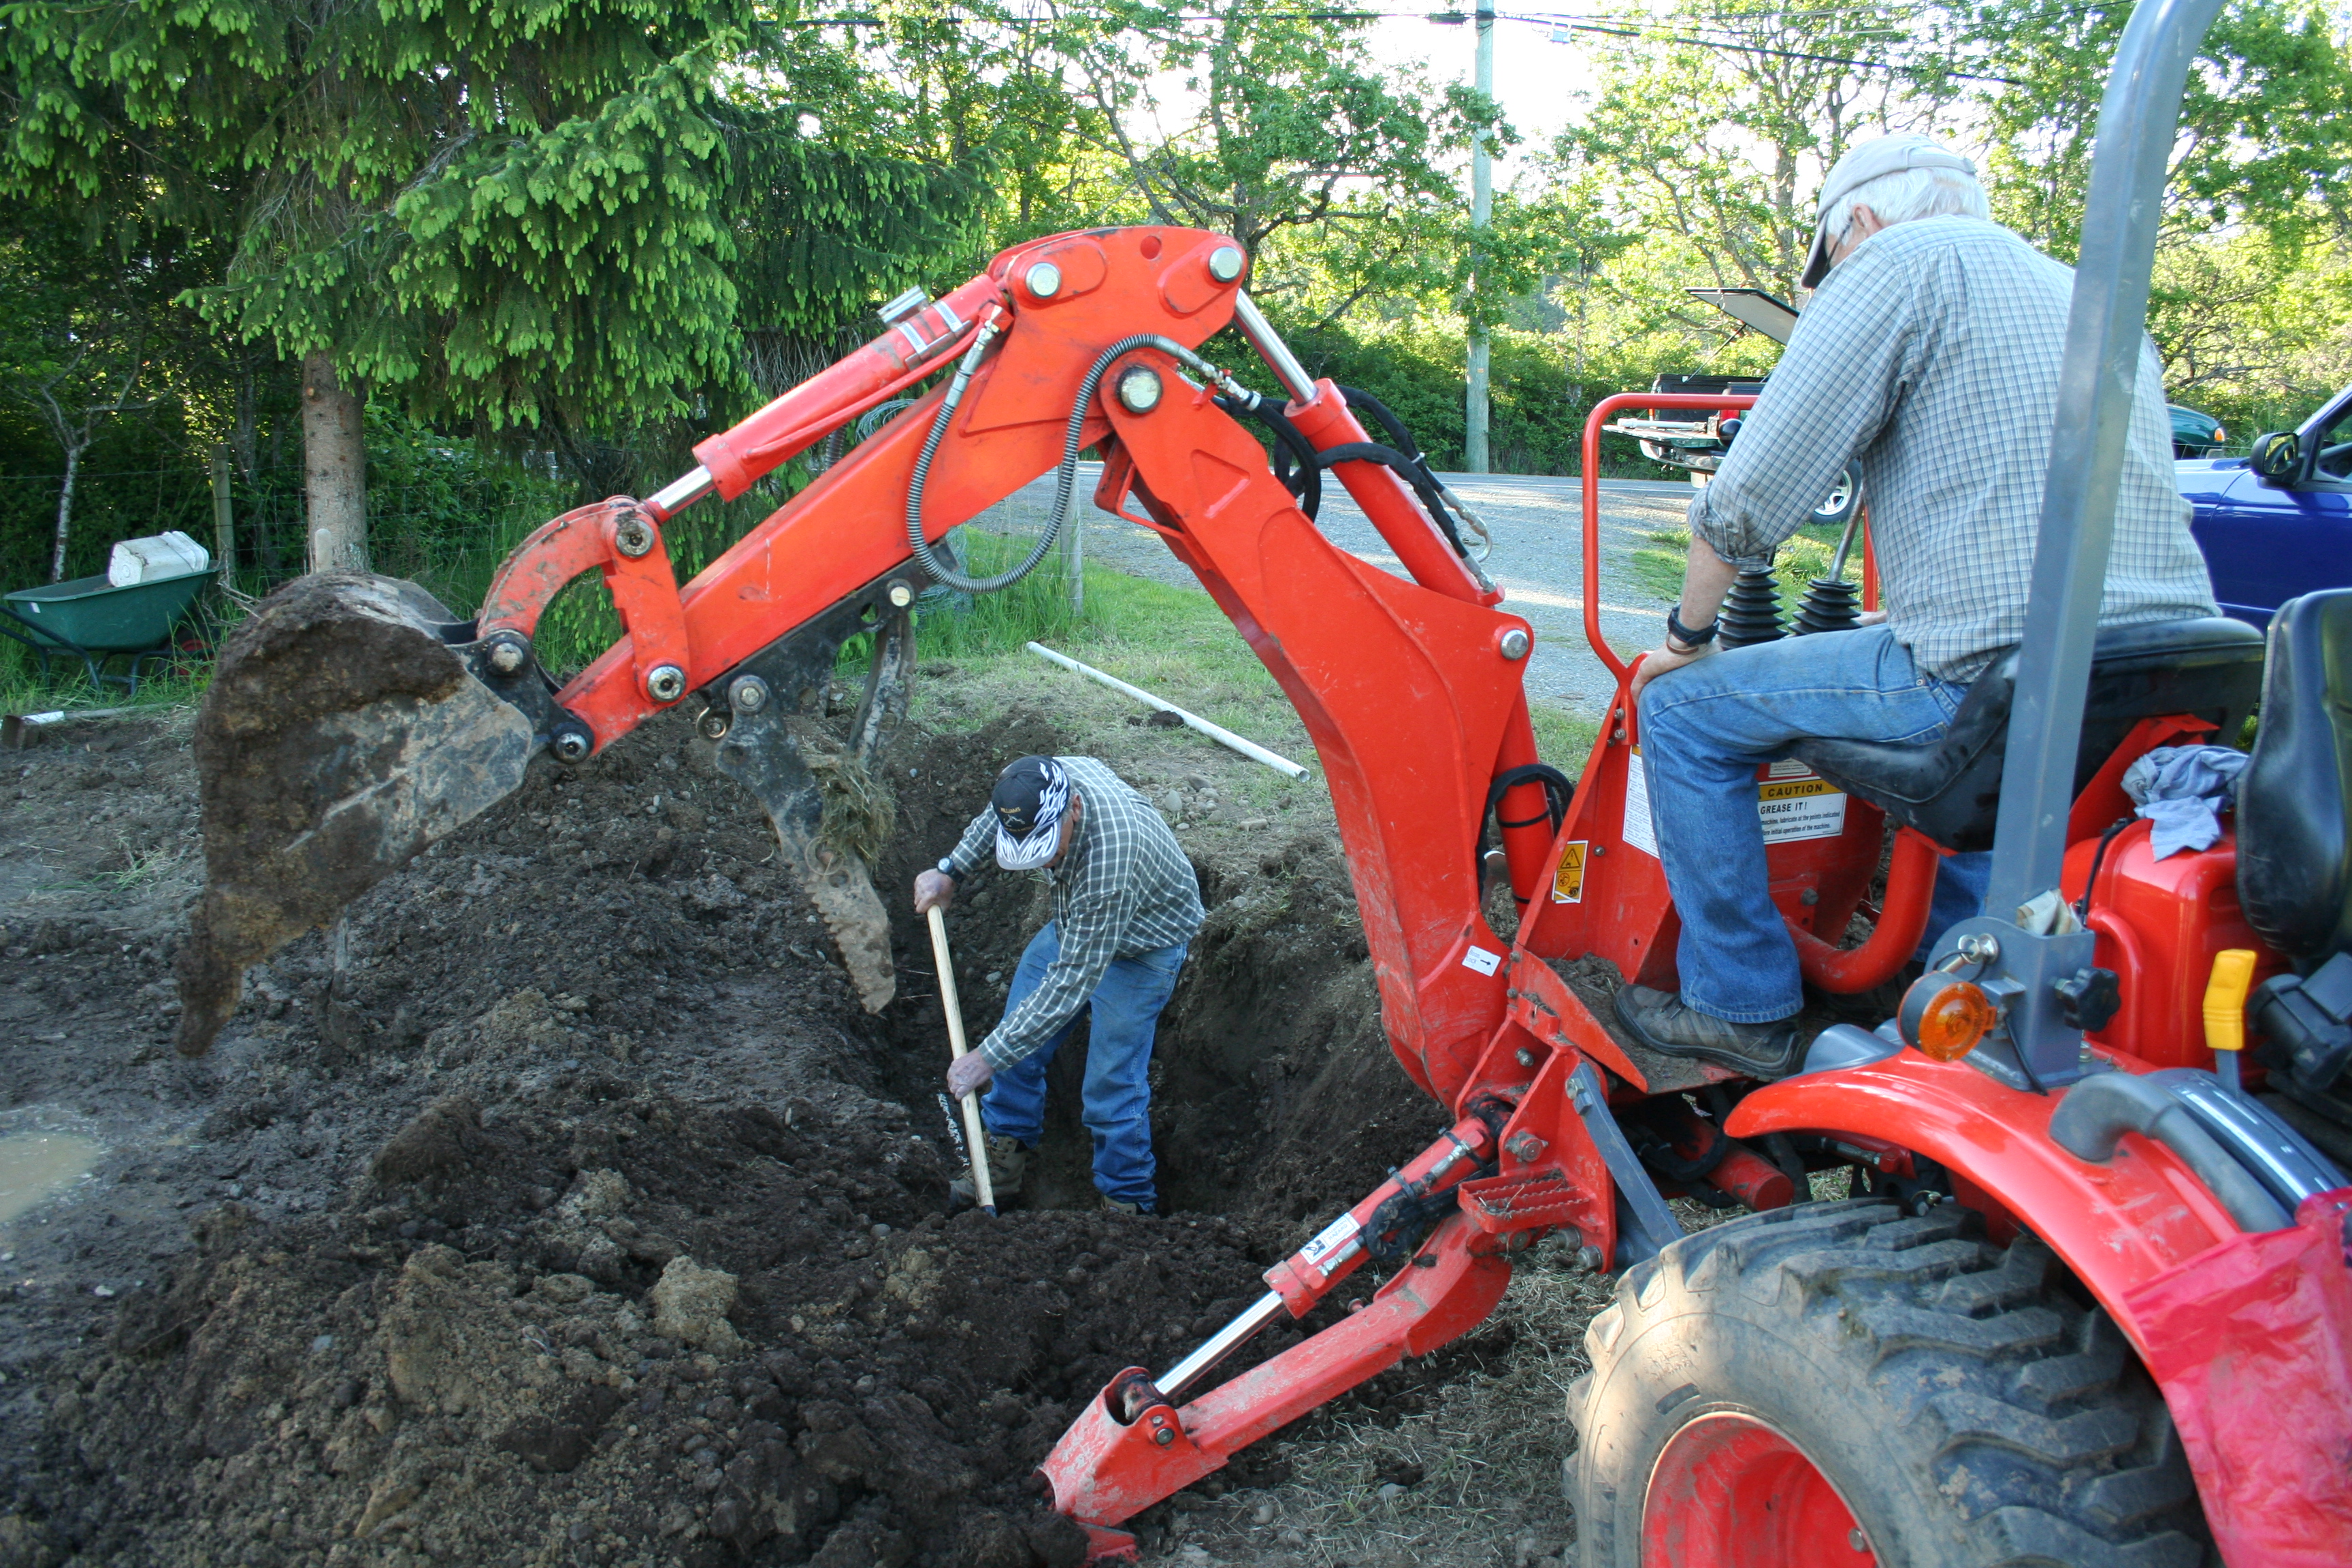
pixel 1663 1022
pixel 1008 1161
pixel 1116 1206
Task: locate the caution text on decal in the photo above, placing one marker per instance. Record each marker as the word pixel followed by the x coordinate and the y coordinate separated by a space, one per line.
pixel 1792 803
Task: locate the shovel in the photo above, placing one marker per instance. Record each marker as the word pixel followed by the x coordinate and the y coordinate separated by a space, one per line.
pixel 974 1136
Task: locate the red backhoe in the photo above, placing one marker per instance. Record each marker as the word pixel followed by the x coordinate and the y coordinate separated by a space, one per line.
pixel 2088 1302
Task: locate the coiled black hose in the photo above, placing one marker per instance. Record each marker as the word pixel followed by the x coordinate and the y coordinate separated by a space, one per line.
pixel 1065 475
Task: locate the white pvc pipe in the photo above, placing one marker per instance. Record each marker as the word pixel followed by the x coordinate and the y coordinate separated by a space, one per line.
pixel 1216 732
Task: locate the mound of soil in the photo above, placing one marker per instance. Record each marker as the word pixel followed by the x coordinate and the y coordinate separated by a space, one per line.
pixel 607 1329
pixel 577 1213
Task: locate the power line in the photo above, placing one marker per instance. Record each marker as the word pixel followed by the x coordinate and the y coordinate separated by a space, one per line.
pixel 1557 21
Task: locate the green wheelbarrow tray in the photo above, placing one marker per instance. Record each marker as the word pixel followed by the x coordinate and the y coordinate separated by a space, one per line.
pixel 91 619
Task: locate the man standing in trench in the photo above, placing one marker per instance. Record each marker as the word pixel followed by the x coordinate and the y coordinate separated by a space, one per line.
pixel 1929 359
pixel 1126 906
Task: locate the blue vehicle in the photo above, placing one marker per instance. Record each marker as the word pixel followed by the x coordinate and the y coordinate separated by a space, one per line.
pixel 2277 522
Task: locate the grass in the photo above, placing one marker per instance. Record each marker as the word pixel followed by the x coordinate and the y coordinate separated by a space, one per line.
pixel 1658 567
pixel 1169 640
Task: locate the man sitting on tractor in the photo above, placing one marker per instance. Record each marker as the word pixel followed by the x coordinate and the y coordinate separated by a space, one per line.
pixel 1929 360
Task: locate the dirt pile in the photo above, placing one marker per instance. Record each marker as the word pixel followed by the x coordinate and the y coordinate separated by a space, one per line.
pixel 575 1212
pixel 612 1330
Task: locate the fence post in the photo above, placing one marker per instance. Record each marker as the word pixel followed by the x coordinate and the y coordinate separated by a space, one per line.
pixel 1074 553
pixel 224 520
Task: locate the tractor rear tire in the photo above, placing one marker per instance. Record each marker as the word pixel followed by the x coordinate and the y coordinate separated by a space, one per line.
pixel 1837 1384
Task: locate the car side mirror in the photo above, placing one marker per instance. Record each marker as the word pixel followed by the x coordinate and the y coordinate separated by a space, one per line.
pixel 2276 455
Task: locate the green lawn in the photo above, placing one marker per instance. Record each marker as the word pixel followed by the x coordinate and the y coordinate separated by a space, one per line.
pixel 1659 566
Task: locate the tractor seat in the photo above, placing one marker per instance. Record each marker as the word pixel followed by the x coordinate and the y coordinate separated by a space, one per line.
pixel 2294 869
pixel 1951 788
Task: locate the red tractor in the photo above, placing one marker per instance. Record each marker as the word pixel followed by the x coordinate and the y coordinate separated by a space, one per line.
pixel 2088 1301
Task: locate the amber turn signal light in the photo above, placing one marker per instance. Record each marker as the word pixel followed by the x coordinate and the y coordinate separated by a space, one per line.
pixel 1945 1018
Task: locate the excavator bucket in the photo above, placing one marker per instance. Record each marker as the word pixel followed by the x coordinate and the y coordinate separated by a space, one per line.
pixel 342 734
pixel 351 722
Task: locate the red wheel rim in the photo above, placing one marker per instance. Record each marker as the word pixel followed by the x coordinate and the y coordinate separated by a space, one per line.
pixel 1731 1491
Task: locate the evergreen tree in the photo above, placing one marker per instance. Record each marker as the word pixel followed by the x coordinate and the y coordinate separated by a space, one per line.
pixel 522 217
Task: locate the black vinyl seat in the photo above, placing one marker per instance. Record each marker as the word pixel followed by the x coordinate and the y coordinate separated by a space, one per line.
pixel 2294 837
pixel 1951 789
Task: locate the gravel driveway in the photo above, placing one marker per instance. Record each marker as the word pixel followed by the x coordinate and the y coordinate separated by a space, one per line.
pixel 1536 561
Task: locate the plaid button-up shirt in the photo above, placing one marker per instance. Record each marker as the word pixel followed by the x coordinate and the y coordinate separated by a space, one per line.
pixel 1930 361
pixel 1123 889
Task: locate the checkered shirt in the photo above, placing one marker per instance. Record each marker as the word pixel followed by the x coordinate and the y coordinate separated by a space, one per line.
pixel 1125 888
pixel 1930 361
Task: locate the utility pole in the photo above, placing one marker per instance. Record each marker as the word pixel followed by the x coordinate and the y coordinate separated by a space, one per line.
pixel 1482 212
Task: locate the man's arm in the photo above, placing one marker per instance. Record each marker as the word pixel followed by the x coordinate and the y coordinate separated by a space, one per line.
pixel 1854 350
pixel 937 885
pixel 1706 579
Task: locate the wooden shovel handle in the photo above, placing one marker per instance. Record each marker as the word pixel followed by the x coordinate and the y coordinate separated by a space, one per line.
pixel 973 1135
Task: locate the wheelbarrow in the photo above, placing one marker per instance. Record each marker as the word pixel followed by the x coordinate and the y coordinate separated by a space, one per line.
pixel 93 620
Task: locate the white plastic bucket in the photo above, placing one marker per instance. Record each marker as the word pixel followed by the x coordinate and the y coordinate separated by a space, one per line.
pixel 168 554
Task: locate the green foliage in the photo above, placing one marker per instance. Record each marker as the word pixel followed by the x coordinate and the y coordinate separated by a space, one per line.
pixel 511 216
pixel 2264 136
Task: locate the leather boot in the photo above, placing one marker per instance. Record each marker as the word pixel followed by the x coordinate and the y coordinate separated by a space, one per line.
pixel 1663 1022
pixel 1008 1161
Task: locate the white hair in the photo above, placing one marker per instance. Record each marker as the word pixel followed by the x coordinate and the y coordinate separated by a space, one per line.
pixel 1909 193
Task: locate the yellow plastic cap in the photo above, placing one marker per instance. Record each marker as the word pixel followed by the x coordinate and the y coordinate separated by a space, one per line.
pixel 2225 999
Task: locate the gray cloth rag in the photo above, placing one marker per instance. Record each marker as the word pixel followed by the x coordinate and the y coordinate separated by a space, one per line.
pixel 2181 789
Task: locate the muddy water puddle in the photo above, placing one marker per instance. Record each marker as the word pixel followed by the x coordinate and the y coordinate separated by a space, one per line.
pixel 39 1163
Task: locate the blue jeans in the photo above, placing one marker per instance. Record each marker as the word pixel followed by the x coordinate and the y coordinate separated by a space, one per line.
pixel 1705 729
pixel 1117 1102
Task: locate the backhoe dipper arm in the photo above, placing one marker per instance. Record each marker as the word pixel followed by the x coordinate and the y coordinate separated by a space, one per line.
pixel 1411 689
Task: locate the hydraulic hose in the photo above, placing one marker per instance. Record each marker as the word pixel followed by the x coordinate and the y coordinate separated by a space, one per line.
pixel 2099 1110
pixel 1065 475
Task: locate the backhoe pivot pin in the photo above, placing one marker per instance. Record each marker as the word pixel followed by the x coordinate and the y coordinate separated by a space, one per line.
pixel 508 654
pixel 633 536
pixel 571 743
pixel 747 694
pixel 665 683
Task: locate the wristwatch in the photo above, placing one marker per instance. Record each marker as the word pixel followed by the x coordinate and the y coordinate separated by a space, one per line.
pixel 1691 641
pixel 947 868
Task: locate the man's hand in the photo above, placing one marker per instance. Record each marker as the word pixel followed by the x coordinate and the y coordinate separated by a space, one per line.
pixel 933 890
pixel 1659 660
pixel 968 1074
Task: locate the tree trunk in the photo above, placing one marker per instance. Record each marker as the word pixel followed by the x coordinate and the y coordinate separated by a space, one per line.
pixel 65 515
pixel 334 469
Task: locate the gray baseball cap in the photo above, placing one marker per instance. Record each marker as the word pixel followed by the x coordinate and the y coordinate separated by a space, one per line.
pixel 1885 155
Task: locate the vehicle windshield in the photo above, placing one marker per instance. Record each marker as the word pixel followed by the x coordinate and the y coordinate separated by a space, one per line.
pixel 2333 447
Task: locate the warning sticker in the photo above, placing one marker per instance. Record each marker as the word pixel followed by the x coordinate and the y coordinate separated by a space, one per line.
pixel 1793 803
pixel 1568 881
pixel 1482 959
pixel 1638 832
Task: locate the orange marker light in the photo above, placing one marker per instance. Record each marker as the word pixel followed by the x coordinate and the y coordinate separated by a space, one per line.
pixel 1947 1018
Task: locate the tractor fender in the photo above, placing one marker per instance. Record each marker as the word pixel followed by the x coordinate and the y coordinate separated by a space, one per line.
pixel 2245 1331
pixel 2117 1224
